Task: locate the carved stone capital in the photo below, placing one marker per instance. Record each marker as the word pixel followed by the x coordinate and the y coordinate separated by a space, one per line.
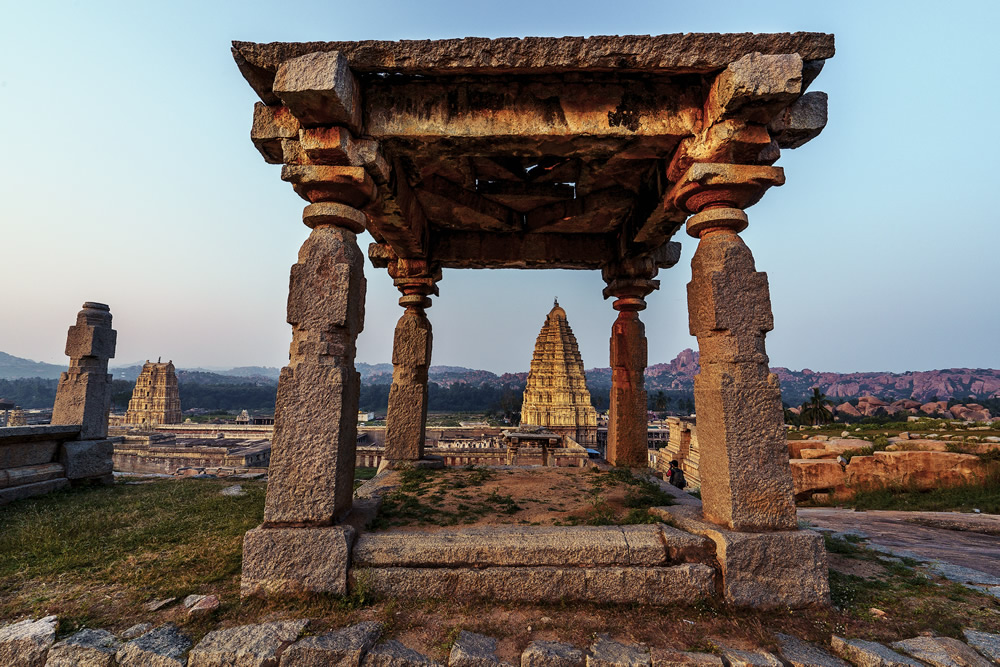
pixel 708 185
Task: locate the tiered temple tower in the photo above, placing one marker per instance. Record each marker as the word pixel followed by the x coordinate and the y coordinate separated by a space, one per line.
pixel 155 399
pixel 556 395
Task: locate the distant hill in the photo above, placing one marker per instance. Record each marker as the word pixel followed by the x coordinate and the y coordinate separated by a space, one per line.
pixel 12 367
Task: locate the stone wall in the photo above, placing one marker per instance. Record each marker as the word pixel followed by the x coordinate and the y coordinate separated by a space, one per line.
pixel 682 446
pixel 165 454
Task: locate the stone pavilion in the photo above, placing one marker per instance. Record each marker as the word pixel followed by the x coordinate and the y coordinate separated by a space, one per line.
pixel 555 395
pixel 571 153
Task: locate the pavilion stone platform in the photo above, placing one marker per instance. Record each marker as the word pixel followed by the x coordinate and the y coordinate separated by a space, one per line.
pixel 571 153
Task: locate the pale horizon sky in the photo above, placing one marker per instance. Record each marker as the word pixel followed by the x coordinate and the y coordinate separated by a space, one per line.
pixel 129 178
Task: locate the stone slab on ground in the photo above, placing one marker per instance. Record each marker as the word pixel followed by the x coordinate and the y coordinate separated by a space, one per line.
pixel 869 654
pixel 27 642
pixel 163 647
pixel 734 657
pixel 137 630
pixel 627 585
pixel 394 654
pixel 206 605
pixel 985 642
pixel 800 653
pixel 607 653
pixel 762 570
pixel 87 648
pixel 246 645
pixel 941 652
pixel 10 494
pixel 345 648
pixel 159 603
pixel 551 654
pixel 513 545
pixel 669 658
pixel 474 650
pixel 296 560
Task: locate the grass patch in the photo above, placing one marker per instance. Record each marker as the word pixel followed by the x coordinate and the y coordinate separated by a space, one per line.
pixel 985 497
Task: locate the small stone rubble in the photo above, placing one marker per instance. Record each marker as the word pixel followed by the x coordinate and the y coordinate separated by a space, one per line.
pixel 32 643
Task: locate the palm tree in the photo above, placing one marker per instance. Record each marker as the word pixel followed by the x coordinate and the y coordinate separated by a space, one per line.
pixel 814 411
pixel 660 402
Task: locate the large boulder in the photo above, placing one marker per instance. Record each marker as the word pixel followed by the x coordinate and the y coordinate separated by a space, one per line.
pixel 914 469
pixel 812 475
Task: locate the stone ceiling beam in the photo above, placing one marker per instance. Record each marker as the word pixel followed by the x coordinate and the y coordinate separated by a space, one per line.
pixel 481 250
pixel 320 89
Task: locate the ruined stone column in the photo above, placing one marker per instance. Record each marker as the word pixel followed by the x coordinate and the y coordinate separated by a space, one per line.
pixel 629 281
pixel 406 420
pixel 84 392
pixel 746 482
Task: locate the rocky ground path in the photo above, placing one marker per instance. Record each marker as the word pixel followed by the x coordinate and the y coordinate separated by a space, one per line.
pixel 962 547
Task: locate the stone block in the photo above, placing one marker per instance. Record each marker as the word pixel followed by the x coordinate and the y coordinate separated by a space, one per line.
pixel 801 121
pixel 320 89
pixel 869 654
pixel 394 654
pixel 87 458
pixel 669 658
pixel 30 474
pixel 765 82
pixel 985 642
pixel 271 124
pixel 20 454
pixel 162 647
pixel 799 653
pixel 87 648
pixel 941 652
pixel 474 650
pixel 734 657
pixel 246 645
pixel 13 493
pixel 296 560
pixel 809 476
pixel 551 654
pixel 27 643
pixel 90 341
pixel 763 570
pixel 84 398
pixel 606 653
pixel 344 648
pixel 626 585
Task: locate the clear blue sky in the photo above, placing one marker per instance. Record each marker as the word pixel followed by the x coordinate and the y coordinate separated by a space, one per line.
pixel 128 177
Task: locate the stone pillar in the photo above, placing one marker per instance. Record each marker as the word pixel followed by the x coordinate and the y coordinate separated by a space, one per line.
pixel 406 420
pixel 629 281
pixel 84 392
pixel 746 482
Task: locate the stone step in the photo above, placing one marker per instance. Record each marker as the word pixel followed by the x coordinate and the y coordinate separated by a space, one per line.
pixel 13 493
pixel 585 546
pixel 30 474
pixel 643 585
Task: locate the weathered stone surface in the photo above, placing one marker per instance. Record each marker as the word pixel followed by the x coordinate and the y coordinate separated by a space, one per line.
pixel 771 569
pixel 291 560
pixel 87 458
pixel 27 642
pixel 606 653
pixel 13 493
pixel 669 658
pixel 155 398
pixel 246 645
pixel 272 124
pixel 320 89
pixel 759 80
pixel 920 470
pixel 163 647
pixel 985 642
pixel 648 585
pixel 206 605
pixel 394 654
pixel 407 414
pixel 555 393
pixel 627 437
pixel 869 654
pixel 941 652
pixel 800 653
pixel 738 658
pixel 192 600
pixel 345 648
pixel 811 475
pixel 741 425
pixel 474 650
pixel 16 454
pixel 160 603
pixel 801 122
pixel 551 654
pixel 84 393
pixel 137 630
pixel 87 648
pixel 31 474
pixel 311 474
pixel 517 546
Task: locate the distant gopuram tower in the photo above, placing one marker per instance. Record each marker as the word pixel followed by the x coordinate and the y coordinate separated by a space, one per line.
pixel 556 395
pixel 155 399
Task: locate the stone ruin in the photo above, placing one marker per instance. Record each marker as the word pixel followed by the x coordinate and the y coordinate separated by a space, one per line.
pixel 155 398
pixel 74 448
pixel 570 153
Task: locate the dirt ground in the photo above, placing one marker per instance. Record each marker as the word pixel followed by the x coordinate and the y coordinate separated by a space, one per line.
pixel 435 499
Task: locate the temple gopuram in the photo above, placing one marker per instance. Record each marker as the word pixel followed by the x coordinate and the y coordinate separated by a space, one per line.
pixel 155 399
pixel 555 395
pixel 536 153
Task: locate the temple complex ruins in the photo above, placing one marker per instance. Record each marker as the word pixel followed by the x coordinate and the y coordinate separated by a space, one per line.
pixel 155 399
pixel 570 153
pixel 555 395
